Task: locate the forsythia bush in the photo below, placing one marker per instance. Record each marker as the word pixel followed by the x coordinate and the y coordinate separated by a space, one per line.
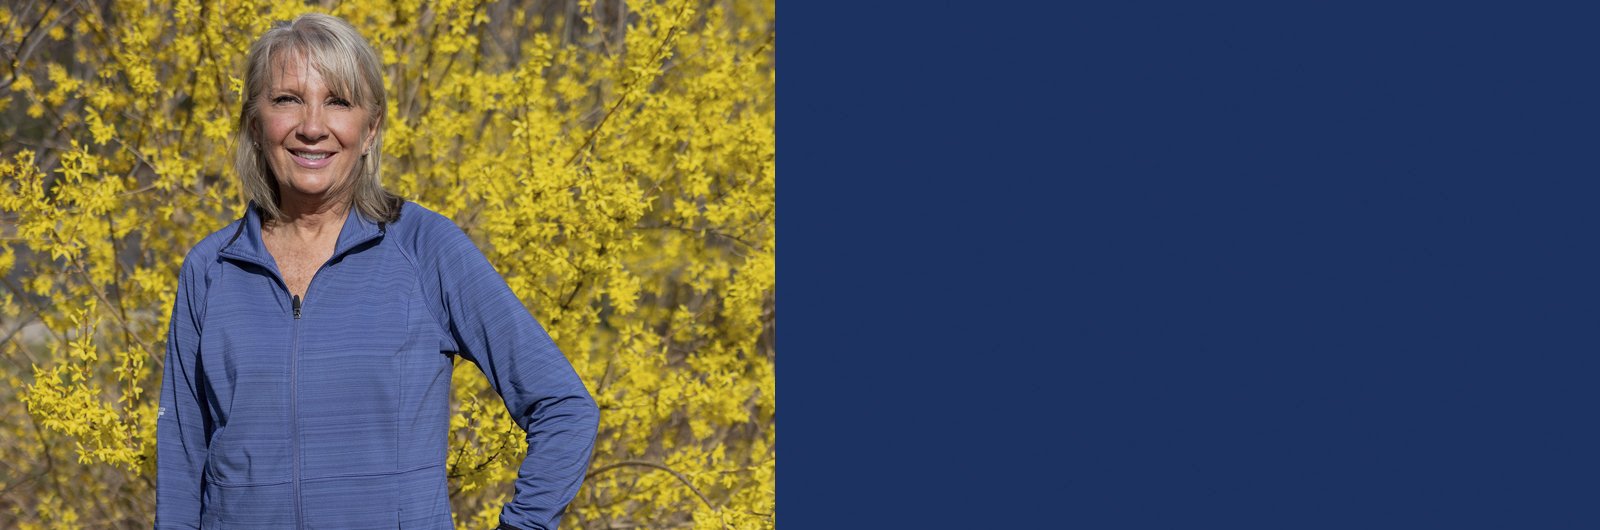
pixel 615 161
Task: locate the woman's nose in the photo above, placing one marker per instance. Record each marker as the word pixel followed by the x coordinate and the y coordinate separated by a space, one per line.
pixel 312 129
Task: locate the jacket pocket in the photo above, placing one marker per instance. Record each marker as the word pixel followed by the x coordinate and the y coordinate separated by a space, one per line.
pixel 251 451
pixel 249 507
pixel 353 502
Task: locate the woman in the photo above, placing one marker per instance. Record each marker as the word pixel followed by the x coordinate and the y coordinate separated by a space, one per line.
pixel 307 377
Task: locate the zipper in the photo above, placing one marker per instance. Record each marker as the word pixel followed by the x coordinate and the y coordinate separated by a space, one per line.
pixel 294 409
pixel 294 351
pixel 297 304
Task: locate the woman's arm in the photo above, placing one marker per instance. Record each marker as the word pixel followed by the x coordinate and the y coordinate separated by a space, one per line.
pixel 182 422
pixel 544 395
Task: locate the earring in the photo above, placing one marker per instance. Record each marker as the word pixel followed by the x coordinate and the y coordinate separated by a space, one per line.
pixel 255 145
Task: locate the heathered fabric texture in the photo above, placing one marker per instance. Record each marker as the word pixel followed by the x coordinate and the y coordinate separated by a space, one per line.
pixel 339 419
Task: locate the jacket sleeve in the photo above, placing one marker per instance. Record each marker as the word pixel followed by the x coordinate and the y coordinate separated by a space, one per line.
pixel 543 393
pixel 183 424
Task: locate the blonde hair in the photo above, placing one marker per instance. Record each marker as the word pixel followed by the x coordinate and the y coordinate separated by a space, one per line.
pixel 347 63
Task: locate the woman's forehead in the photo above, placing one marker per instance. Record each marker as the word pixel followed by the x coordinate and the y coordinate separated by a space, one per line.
pixel 291 68
pixel 298 69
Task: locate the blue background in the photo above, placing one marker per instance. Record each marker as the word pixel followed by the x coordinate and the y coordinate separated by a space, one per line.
pixel 1189 266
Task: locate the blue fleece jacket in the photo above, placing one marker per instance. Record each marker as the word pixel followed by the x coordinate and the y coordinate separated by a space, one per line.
pixel 333 411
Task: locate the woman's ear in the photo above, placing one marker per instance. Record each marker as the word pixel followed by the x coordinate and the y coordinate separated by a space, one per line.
pixel 252 132
pixel 372 133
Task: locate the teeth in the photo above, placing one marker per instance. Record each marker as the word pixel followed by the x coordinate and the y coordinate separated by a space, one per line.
pixel 311 156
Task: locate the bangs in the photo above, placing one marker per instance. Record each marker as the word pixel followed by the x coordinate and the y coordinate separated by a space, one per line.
pixel 338 68
pixel 344 60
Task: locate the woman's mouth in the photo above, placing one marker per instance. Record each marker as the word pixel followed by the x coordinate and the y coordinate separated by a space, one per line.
pixel 311 159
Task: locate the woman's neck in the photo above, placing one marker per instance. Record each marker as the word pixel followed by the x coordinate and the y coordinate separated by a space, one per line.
pixel 307 222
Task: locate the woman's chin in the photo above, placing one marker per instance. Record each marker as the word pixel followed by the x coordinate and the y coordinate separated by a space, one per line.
pixel 313 194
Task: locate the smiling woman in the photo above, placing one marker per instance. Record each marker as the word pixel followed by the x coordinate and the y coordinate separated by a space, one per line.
pixel 307 374
pixel 313 137
pixel 317 90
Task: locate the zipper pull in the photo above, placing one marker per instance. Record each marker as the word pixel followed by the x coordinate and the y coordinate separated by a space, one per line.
pixel 297 307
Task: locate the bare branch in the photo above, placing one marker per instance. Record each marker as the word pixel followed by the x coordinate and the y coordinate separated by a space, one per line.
pixel 653 465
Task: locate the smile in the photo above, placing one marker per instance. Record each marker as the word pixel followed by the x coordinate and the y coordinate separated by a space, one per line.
pixel 311 160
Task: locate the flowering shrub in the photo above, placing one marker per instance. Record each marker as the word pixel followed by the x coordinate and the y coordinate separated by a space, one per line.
pixel 614 160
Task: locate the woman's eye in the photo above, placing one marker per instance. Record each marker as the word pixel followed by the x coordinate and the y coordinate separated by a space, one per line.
pixel 280 100
pixel 339 102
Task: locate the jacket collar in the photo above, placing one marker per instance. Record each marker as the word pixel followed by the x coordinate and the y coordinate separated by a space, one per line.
pixel 247 244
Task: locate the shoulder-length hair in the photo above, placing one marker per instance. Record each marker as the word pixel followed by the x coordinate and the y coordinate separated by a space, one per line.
pixel 347 63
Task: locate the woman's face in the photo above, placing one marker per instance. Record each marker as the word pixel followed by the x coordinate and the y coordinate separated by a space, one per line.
pixel 312 136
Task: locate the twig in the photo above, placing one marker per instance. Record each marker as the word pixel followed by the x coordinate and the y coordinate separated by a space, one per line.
pixel 18 16
pixel 25 481
pixel 116 288
pixel 24 349
pixel 19 59
pixel 653 465
pixel 573 294
pixel 764 45
pixel 654 58
pixel 26 300
pixel 127 329
pixel 708 231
